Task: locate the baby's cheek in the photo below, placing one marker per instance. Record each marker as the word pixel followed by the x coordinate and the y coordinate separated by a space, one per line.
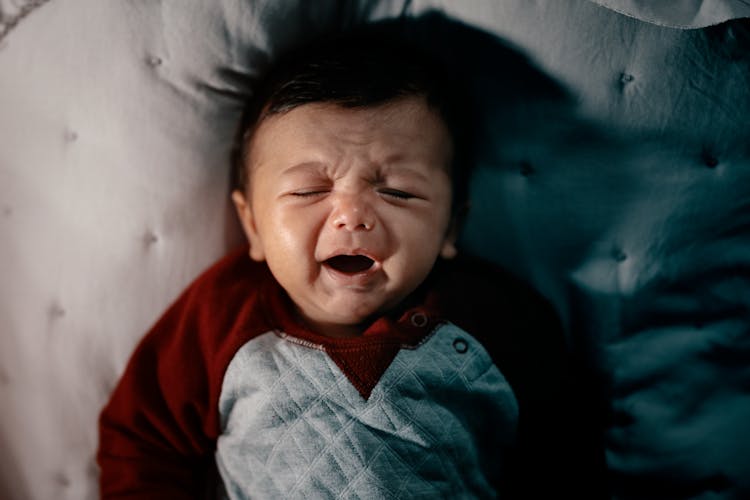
pixel 292 229
pixel 414 262
pixel 424 232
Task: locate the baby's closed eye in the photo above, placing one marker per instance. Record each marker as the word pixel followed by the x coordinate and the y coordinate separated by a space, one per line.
pixel 310 192
pixel 396 193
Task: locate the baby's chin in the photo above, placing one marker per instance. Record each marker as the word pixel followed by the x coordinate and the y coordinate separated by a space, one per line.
pixel 347 308
pixel 347 320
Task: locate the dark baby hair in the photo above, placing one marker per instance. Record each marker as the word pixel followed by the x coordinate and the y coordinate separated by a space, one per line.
pixel 371 66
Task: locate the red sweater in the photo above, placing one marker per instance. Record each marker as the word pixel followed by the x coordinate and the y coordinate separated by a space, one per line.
pixel 159 431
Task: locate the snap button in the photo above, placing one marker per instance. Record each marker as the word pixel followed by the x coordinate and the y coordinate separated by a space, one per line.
pixel 460 345
pixel 419 319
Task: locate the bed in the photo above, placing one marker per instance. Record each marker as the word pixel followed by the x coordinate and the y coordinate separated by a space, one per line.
pixel 613 177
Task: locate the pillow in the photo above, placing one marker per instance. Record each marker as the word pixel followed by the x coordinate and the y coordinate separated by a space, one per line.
pixel 115 131
pixel 683 14
pixel 617 185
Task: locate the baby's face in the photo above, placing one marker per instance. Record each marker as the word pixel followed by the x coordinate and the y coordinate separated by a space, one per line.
pixel 350 208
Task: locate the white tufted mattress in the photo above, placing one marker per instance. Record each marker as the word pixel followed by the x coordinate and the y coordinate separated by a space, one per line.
pixel 625 199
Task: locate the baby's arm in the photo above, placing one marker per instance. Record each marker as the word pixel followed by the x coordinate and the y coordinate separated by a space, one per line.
pixel 156 434
pixel 560 448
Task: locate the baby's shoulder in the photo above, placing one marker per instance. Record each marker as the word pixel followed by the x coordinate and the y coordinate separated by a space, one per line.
pixel 225 302
pixel 233 274
pixel 519 328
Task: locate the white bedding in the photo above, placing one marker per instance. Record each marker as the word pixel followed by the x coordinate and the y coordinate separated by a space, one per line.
pixel 115 125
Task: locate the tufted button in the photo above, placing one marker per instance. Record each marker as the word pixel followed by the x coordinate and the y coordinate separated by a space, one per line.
pixel 460 345
pixel 626 78
pixel 70 136
pixel 419 319
pixel 7 210
pixel 709 159
pixel 56 311
pixel 150 238
pixel 619 255
pixel 526 168
pixel 154 61
pixel 62 479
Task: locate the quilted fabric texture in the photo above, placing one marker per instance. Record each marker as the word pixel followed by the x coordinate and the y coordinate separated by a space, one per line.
pixel 682 13
pixel 295 427
pixel 623 196
pixel 647 249
pixel 115 130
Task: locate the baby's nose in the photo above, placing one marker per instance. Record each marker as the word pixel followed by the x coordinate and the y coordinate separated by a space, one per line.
pixel 353 213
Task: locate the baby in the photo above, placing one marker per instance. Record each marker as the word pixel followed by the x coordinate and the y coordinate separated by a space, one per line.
pixel 346 357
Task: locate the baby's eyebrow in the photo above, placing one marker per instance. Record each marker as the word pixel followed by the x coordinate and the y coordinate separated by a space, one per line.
pixel 305 166
pixel 396 169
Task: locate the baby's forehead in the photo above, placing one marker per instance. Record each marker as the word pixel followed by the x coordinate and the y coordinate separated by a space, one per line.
pixel 405 130
pixel 402 110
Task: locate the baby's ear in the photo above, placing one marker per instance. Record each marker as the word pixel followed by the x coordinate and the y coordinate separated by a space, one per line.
pixel 245 214
pixel 449 250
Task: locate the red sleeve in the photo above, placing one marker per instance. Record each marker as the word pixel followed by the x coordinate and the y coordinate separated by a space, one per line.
pixel 158 432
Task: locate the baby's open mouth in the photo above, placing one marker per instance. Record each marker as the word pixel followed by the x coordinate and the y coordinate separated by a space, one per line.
pixel 350 264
